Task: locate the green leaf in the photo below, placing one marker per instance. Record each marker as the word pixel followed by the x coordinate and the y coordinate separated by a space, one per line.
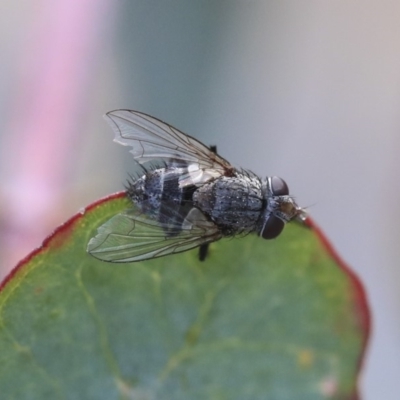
pixel 258 319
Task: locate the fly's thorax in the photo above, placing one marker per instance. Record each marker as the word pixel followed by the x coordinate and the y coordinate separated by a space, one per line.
pixel 280 208
pixel 233 203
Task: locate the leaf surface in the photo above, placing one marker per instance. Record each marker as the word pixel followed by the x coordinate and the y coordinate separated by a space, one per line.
pixel 281 319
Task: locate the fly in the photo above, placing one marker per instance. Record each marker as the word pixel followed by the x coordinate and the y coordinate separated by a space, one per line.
pixel 187 196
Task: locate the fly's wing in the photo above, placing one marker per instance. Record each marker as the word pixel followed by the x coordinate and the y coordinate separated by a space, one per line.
pixel 152 139
pixel 130 236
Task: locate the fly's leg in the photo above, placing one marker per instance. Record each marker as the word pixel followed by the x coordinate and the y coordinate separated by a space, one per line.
pixel 203 251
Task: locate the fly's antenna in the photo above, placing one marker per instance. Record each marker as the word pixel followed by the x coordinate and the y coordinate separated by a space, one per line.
pixel 303 213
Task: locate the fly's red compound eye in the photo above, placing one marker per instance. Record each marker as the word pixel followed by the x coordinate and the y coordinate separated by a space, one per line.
pixel 272 228
pixel 278 186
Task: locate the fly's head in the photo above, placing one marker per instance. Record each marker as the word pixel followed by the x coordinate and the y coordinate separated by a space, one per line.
pixel 281 208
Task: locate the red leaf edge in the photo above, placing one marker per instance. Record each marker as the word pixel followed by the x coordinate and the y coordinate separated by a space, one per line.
pixel 362 309
pixel 57 237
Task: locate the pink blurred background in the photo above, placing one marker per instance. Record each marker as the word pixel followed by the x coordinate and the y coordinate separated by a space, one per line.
pixel 309 91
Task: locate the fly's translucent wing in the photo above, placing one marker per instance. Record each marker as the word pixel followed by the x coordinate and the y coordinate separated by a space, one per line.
pixel 130 236
pixel 152 139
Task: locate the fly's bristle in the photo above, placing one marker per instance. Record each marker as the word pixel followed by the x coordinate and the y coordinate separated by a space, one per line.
pixel 130 188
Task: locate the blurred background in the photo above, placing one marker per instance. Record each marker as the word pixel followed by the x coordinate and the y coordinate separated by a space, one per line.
pixel 309 91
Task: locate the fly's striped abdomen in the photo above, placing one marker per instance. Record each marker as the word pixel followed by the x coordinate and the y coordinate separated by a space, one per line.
pixel 160 195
